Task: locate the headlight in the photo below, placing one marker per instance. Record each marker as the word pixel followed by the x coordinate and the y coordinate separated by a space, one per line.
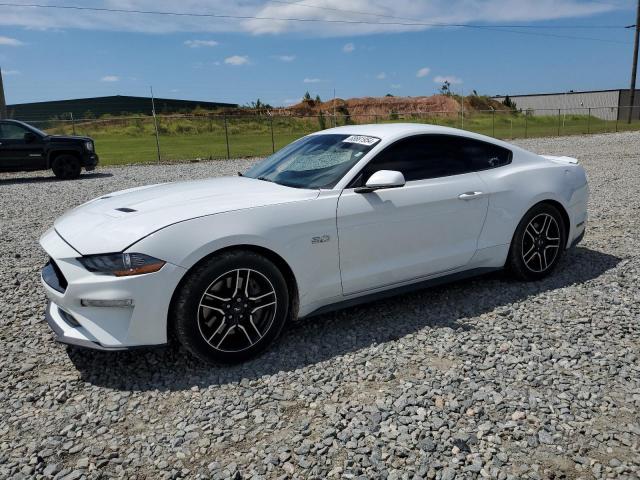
pixel 88 145
pixel 121 264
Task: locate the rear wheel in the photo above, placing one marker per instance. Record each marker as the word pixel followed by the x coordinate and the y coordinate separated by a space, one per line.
pixel 538 243
pixel 231 308
pixel 66 167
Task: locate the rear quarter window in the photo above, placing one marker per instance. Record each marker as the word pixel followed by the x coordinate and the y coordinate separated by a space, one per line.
pixel 483 155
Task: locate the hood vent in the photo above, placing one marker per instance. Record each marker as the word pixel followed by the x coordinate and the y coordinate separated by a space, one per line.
pixel 126 210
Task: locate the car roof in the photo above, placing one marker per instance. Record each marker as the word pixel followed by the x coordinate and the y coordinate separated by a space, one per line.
pixel 391 131
pixel 10 120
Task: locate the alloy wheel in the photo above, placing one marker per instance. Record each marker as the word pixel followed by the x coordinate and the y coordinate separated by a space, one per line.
pixel 541 243
pixel 237 310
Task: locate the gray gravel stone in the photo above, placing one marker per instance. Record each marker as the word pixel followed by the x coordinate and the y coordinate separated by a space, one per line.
pixel 520 380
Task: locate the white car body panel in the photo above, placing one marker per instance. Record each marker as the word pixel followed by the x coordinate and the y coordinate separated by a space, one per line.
pixel 408 233
pixel 98 227
pixel 338 244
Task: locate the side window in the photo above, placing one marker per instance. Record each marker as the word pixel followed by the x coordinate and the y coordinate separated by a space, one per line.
pixel 484 156
pixel 421 157
pixel 8 131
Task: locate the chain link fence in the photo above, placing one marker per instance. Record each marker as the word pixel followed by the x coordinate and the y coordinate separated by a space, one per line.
pixel 184 137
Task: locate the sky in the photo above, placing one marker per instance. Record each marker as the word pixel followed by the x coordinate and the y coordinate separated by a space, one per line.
pixel 52 54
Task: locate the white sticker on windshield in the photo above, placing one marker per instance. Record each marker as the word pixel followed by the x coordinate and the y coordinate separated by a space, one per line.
pixel 362 140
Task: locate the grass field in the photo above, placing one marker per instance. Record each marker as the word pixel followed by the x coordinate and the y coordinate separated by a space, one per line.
pixel 132 140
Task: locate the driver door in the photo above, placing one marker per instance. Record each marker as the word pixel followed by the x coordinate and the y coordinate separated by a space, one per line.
pixel 428 226
pixel 15 152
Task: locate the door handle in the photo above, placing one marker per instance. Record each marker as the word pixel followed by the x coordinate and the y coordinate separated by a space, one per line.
pixel 470 195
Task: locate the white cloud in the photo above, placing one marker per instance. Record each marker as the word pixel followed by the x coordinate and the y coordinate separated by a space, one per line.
pixel 290 101
pixel 237 60
pixel 311 80
pixel 285 58
pixel 396 86
pixel 110 78
pixel 381 76
pixel 200 43
pixel 10 42
pixel 423 72
pixel 434 11
pixel 348 48
pixel 447 78
pixel 10 72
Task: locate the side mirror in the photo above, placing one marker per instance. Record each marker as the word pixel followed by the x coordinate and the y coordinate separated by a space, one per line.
pixel 30 137
pixel 382 179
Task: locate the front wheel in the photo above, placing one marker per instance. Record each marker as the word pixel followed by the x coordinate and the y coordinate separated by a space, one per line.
pixel 231 307
pixel 538 243
pixel 66 167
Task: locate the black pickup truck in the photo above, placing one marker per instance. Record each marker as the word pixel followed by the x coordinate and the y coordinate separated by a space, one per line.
pixel 24 147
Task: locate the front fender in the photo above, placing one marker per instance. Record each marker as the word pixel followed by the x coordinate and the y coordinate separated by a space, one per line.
pixel 286 230
pixel 52 152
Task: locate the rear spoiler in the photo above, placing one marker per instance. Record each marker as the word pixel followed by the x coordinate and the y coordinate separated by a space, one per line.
pixel 561 160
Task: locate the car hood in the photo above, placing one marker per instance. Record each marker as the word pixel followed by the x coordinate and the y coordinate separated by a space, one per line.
pixel 113 222
pixel 68 138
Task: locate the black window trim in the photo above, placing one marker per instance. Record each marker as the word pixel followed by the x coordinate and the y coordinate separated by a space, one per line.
pixel 357 180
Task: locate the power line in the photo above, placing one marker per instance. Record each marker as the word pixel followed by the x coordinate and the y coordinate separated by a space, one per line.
pixel 437 24
pixel 497 28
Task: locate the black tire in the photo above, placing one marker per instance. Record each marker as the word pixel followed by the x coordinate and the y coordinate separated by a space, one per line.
pixel 66 167
pixel 220 322
pixel 538 243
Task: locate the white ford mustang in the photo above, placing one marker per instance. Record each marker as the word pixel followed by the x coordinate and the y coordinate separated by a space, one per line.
pixel 335 218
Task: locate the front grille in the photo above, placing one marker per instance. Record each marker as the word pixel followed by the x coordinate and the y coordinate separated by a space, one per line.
pixel 52 276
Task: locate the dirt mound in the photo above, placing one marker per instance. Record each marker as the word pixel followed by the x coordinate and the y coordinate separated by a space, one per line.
pixel 368 108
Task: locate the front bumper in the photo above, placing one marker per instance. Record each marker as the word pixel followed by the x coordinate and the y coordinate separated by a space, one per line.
pixel 105 328
pixel 68 333
pixel 89 161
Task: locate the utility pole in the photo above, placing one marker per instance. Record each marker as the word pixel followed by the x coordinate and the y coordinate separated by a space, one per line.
pixel 634 68
pixel 3 103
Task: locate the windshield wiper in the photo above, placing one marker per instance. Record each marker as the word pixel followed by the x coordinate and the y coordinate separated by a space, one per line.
pixel 265 179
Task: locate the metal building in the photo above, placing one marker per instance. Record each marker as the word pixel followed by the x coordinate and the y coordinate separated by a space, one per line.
pixel 604 104
pixel 112 105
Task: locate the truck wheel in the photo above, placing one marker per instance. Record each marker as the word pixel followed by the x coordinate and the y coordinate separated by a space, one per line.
pixel 66 167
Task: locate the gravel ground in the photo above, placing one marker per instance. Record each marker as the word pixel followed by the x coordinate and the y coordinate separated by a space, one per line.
pixel 483 378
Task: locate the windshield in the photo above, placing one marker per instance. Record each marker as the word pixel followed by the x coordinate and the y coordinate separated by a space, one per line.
pixel 317 161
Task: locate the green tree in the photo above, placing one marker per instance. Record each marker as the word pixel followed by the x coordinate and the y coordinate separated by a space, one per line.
pixel 445 89
pixel 307 96
pixel 509 103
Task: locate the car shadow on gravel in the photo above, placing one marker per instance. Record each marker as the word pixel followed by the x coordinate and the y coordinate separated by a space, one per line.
pixel 326 336
pixel 23 180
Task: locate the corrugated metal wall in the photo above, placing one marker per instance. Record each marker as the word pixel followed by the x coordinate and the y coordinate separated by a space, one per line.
pixel 603 104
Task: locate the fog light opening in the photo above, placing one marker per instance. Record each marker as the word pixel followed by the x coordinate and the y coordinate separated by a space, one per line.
pixel 122 303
